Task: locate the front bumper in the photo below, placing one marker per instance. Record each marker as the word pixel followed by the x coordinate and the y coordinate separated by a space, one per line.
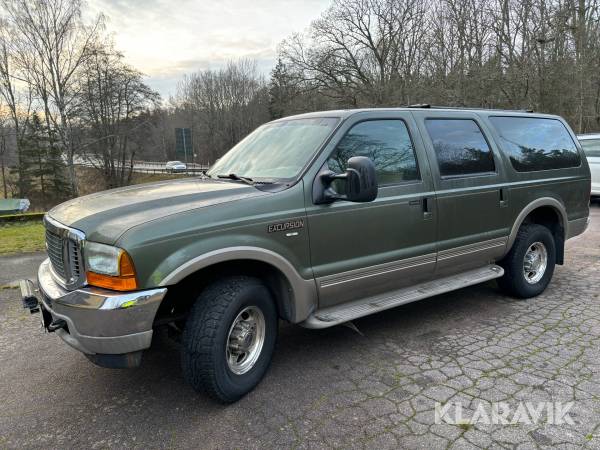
pixel 99 321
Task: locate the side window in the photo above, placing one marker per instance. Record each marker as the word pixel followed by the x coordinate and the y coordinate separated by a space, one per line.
pixel 460 147
pixel 386 142
pixel 591 147
pixel 536 143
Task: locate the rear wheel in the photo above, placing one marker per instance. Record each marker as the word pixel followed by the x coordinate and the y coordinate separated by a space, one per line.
pixel 529 266
pixel 229 338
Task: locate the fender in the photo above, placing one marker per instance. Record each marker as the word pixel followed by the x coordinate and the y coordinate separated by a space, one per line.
pixel 544 201
pixel 304 292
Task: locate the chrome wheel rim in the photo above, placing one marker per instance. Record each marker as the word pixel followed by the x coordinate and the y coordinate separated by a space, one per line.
pixel 535 262
pixel 245 340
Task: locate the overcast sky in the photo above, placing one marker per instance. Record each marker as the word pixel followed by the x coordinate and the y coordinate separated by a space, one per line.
pixel 166 38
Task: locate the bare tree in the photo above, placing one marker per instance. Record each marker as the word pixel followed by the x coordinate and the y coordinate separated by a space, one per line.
pixel 112 96
pixel 361 51
pixel 17 96
pixel 52 44
pixel 224 106
pixel 540 54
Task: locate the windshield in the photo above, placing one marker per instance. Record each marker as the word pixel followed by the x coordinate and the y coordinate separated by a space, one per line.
pixel 277 150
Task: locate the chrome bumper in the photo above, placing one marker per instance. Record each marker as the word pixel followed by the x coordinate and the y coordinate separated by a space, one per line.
pixel 100 321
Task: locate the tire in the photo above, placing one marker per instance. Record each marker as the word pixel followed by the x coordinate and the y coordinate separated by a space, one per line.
pixel 515 281
pixel 210 328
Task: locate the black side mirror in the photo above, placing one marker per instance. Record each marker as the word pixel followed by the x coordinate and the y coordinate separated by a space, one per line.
pixel 361 180
pixel 361 183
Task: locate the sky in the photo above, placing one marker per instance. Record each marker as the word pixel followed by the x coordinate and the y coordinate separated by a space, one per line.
pixel 168 38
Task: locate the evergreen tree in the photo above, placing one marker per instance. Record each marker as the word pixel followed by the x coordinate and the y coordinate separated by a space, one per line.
pixel 281 91
pixel 41 167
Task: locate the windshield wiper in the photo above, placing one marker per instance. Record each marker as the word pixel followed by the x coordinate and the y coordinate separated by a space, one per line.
pixel 233 176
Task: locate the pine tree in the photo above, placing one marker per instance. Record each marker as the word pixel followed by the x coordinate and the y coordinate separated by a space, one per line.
pixel 42 168
pixel 281 91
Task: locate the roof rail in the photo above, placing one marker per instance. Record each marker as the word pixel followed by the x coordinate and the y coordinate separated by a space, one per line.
pixel 427 105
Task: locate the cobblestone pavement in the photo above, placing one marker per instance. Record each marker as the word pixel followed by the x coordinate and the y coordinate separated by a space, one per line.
pixel 332 388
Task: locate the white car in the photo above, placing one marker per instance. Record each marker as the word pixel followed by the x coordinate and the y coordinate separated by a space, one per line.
pixel 175 166
pixel 591 147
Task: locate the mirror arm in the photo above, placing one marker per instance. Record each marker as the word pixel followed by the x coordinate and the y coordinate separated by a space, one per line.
pixel 326 193
pixel 329 176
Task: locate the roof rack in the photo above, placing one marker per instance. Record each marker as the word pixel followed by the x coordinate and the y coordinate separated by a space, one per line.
pixel 427 105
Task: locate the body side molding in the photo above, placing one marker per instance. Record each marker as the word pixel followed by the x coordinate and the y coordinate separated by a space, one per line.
pixel 304 292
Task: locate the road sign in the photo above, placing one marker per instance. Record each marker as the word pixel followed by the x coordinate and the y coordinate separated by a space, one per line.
pixel 183 144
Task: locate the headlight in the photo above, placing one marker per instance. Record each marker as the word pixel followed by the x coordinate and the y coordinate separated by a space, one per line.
pixel 109 267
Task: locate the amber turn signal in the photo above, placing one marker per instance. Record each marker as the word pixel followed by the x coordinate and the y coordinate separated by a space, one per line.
pixel 125 281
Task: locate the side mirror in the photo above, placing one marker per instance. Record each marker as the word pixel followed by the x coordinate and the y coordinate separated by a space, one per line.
pixel 360 180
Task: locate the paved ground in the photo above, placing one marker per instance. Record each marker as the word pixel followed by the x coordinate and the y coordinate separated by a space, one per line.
pixel 331 388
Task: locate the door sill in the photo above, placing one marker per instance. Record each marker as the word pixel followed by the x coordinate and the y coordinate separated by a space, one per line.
pixel 335 315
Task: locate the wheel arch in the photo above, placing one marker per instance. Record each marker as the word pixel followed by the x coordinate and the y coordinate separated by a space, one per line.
pixel 546 211
pixel 296 298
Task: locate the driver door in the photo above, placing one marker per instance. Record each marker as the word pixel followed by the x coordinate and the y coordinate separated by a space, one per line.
pixel 363 249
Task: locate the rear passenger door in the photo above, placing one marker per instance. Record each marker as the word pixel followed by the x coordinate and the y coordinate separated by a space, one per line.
pixel 469 180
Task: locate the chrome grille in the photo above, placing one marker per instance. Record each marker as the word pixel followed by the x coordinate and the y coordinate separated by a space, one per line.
pixel 63 245
pixel 75 263
pixel 55 249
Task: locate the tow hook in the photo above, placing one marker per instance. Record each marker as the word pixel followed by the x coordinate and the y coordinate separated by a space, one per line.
pixel 28 296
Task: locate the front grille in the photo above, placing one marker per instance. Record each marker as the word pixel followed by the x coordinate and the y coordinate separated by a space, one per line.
pixel 63 245
pixel 55 248
pixel 74 259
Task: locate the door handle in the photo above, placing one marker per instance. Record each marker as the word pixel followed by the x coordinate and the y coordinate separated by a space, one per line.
pixel 427 212
pixel 503 197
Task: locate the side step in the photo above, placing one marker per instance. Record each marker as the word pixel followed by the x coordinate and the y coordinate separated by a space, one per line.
pixel 335 315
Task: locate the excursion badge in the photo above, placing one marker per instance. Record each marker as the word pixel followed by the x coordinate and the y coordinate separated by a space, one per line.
pixel 285 226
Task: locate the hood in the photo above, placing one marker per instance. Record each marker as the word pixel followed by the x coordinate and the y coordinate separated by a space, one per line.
pixel 106 215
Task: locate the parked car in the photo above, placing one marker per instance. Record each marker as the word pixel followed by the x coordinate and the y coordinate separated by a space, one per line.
pixel 591 148
pixel 316 219
pixel 175 166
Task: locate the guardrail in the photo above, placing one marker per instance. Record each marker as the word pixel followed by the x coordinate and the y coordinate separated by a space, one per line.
pixel 189 171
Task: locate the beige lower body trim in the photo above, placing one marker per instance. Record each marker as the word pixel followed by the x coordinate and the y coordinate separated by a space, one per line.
pixel 359 283
pixel 478 247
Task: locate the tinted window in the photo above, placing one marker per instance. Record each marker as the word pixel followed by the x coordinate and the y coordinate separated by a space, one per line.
pixel 591 147
pixel 535 143
pixel 386 142
pixel 460 147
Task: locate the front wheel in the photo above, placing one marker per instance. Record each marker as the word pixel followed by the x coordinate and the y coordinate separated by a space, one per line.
pixel 229 338
pixel 529 265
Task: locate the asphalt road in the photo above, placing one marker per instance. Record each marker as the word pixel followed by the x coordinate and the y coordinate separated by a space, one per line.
pixel 329 388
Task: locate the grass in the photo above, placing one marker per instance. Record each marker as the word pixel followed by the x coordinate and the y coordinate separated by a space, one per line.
pixel 21 237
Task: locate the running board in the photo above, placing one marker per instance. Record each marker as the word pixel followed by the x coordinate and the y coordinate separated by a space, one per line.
pixel 335 315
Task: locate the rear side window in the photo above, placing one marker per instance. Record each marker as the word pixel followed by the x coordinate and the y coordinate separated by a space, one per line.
pixel 386 142
pixel 591 147
pixel 536 143
pixel 460 147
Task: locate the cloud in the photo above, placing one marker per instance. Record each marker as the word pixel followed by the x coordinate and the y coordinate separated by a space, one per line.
pixel 165 39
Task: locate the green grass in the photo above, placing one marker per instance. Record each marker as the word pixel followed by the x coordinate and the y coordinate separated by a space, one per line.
pixel 21 237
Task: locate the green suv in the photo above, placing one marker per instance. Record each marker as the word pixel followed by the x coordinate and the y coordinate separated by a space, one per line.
pixel 316 219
